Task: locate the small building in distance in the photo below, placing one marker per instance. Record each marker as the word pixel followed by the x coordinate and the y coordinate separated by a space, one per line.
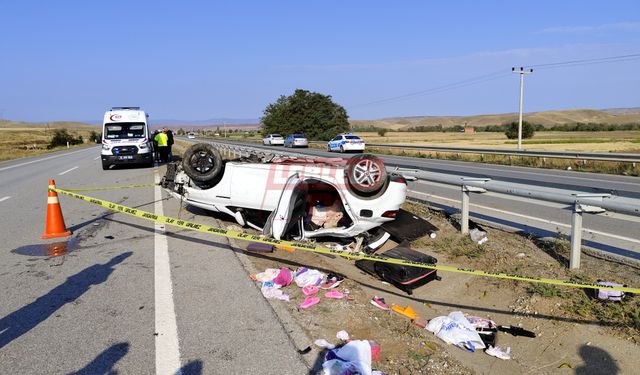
pixel 469 130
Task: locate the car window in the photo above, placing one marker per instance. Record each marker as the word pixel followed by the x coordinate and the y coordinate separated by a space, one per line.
pixel 351 137
pixel 337 138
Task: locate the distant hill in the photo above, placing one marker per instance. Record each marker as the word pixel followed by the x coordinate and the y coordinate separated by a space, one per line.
pixel 546 118
pixel 207 123
pixel 71 125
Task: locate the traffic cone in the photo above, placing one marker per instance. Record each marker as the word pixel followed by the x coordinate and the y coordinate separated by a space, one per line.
pixel 55 222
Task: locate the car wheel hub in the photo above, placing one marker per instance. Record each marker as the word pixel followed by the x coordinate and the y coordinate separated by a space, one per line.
pixel 367 173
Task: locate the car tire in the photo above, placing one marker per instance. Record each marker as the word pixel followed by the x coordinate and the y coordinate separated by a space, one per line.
pixel 341 149
pixel 105 166
pixel 366 173
pixel 328 148
pixel 202 162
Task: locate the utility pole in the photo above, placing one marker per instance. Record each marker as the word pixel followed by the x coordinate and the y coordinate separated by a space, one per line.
pixel 522 72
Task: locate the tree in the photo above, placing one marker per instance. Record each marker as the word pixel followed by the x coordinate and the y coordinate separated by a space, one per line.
pixel 382 132
pixel 310 113
pixel 61 137
pixel 512 130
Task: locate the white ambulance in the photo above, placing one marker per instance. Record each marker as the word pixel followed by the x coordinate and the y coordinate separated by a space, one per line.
pixel 126 138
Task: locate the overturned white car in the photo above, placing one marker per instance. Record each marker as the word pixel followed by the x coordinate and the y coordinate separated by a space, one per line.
pixel 291 197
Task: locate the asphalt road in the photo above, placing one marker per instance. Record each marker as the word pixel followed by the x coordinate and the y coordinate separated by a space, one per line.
pixel 609 232
pixel 127 297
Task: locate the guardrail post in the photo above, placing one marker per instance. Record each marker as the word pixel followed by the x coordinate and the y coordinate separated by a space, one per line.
pixel 464 207
pixel 576 237
pixel 464 211
pixel 576 224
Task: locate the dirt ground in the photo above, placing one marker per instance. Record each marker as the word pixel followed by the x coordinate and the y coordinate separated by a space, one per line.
pixel 575 333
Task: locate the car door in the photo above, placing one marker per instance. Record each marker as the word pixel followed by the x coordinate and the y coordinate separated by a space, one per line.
pixel 291 208
pixel 335 143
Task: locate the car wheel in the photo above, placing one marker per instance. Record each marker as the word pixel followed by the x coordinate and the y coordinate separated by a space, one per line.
pixel 341 150
pixel 202 162
pixel 328 148
pixel 105 166
pixel 366 173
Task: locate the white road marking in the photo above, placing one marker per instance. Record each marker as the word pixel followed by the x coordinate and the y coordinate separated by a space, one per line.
pixel 4 198
pixel 43 159
pixel 167 345
pixel 68 170
pixel 632 240
pixel 96 158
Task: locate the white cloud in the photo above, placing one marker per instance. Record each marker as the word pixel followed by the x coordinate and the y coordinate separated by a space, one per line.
pixel 607 27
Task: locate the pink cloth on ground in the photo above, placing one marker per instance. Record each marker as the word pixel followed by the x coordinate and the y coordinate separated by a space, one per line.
pixel 284 277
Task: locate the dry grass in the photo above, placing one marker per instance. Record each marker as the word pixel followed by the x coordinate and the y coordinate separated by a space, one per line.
pixel 615 141
pixel 19 139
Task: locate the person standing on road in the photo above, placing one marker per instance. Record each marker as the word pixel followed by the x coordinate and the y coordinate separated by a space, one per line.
pixel 156 156
pixel 163 148
pixel 169 143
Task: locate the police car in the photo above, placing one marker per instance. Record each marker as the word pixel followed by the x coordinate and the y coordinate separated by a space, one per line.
pixel 346 142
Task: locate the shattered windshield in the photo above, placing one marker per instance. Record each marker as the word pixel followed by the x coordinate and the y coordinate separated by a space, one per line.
pixel 124 130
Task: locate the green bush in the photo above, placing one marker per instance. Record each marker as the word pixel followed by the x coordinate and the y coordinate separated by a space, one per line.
pixel 61 137
pixel 512 130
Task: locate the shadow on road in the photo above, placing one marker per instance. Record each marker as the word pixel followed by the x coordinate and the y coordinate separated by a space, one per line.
pixel 104 362
pixel 24 319
pixel 596 361
pixel 191 368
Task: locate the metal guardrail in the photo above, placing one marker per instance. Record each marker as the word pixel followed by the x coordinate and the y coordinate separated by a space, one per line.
pixel 601 156
pixel 581 203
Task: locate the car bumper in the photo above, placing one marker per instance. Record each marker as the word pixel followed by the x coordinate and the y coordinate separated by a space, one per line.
pixel 277 143
pixel 353 147
pixel 145 158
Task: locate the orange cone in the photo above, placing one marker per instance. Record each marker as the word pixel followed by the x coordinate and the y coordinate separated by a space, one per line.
pixel 55 222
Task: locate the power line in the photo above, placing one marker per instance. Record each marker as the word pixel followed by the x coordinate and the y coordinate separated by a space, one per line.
pixel 601 59
pixel 497 75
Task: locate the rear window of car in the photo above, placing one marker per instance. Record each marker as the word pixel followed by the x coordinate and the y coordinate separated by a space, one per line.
pixel 276 136
pixel 351 137
pixel 298 136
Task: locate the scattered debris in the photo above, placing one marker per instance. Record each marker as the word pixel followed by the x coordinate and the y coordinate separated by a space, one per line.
pixel 497 352
pixel 478 236
pixel 607 294
pixel 457 330
pixel 380 303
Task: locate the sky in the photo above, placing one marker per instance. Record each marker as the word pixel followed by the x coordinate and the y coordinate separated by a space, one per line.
pixel 196 60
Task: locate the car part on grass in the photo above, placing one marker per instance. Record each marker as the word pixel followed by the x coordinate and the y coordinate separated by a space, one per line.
pixel 404 278
pixel 202 162
pixel 409 227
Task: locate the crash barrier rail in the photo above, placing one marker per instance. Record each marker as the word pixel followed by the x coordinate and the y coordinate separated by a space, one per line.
pixel 294 245
pixel 580 203
pixel 600 156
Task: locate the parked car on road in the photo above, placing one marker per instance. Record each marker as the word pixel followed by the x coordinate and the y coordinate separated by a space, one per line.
pixel 191 135
pixel 290 197
pixel 273 140
pixel 296 140
pixel 346 142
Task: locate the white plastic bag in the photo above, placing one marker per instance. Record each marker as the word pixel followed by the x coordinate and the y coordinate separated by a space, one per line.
pixel 455 329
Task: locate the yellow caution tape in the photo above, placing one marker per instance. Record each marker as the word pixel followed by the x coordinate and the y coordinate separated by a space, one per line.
pixel 114 187
pixel 323 250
